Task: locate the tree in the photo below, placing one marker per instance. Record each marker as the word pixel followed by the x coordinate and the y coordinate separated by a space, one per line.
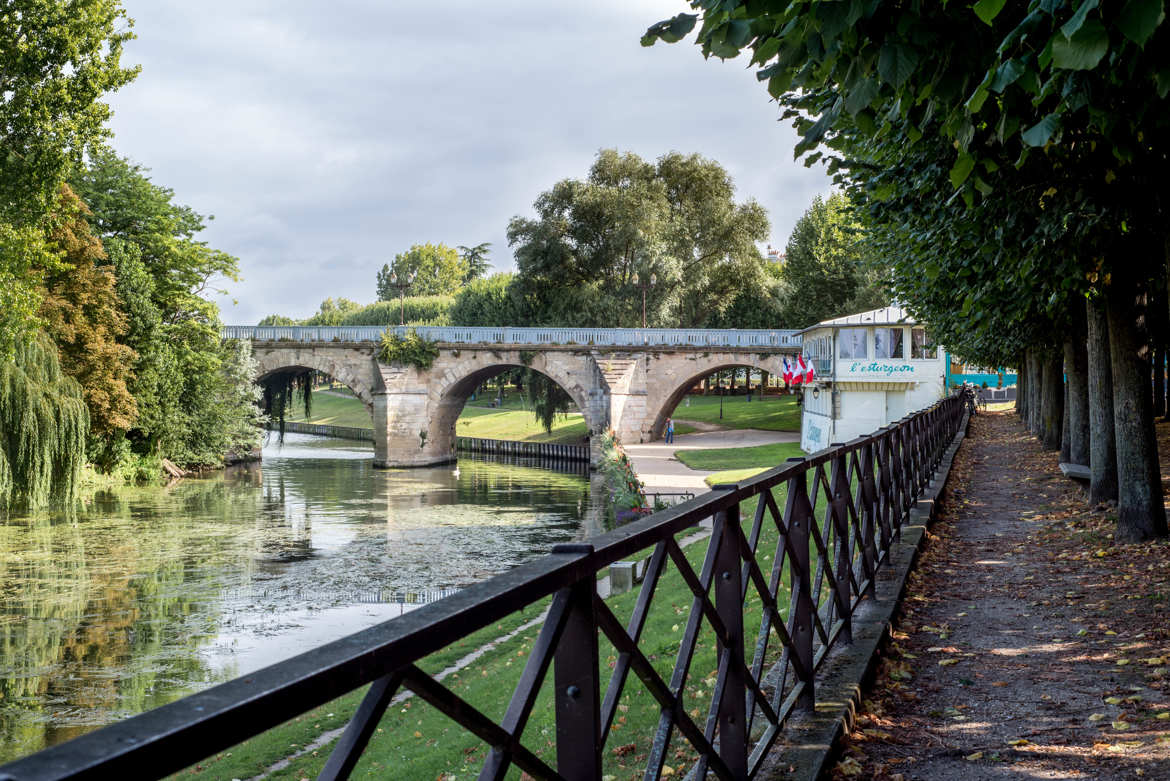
pixel 1047 122
pixel 43 424
pixel 823 270
pixel 333 312
pixel 438 270
pixel 82 313
pixel 476 259
pixel 164 272
pixel 675 219
pixel 486 302
pixel 57 60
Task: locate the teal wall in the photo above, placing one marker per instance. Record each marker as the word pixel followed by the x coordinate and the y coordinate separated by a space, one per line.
pixel 992 380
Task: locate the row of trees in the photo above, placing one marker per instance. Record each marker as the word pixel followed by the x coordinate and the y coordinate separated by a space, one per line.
pixel 581 258
pixel 1010 162
pixel 109 352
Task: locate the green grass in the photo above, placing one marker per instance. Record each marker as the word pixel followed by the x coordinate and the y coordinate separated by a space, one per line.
pixel 511 421
pixel 332 409
pixel 774 413
pixel 761 456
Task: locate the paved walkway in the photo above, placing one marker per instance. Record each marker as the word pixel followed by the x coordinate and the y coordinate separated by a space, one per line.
pixel 1030 646
pixel 659 470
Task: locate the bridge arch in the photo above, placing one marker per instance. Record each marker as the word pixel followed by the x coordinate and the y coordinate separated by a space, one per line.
pixel 575 374
pixel 662 397
pixel 352 368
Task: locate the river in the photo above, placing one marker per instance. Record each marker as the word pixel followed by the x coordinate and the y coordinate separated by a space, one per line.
pixel 144 595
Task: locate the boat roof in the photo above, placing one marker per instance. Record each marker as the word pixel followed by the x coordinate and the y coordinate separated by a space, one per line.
pixel 888 315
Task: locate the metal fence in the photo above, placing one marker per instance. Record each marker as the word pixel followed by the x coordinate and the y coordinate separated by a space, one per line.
pixel 602 337
pixel 777 590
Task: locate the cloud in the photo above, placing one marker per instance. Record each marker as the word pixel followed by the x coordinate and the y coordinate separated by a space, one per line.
pixel 326 138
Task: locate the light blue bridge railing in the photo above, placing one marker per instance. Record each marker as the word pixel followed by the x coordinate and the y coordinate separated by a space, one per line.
pixel 604 337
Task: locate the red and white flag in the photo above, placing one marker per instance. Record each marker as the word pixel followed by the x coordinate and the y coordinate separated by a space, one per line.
pixel 804 370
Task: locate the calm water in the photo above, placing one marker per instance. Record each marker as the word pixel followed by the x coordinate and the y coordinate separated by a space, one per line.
pixel 147 594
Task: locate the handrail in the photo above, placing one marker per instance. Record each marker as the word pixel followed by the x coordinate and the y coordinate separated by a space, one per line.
pixel 834 515
pixel 601 337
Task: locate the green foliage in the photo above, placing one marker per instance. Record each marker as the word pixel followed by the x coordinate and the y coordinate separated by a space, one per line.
pixel 476 261
pixel 333 312
pixel 419 310
pixel 548 399
pixel 626 490
pixel 486 302
pixel 408 350
pixel 57 60
pixel 278 320
pixel 82 312
pixel 280 390
pixel 182 379
pixel 675 218
pixel 43 425
pixel 824 270
pixel 438 271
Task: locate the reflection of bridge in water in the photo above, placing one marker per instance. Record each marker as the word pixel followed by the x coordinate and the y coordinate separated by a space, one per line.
pixel 385 597
pixel 627 379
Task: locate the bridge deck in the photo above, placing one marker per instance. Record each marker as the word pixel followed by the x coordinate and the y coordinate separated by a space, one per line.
pixel 601 337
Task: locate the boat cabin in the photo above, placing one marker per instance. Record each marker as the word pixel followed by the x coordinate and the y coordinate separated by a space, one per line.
pixel 871 369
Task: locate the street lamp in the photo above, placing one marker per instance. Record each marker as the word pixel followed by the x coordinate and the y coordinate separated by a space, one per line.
pixel 402 284
pixel 645 286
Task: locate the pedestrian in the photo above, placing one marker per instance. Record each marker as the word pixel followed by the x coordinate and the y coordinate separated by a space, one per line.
pixel 669 430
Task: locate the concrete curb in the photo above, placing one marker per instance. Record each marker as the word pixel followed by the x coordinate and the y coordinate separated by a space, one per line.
pixel 808 745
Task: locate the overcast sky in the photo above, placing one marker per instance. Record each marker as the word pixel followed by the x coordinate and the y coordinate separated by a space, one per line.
pixel 327 137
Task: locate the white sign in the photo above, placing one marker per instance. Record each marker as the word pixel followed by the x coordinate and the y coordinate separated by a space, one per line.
pixel 884 371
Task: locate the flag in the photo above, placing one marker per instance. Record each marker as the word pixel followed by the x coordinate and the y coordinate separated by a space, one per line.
pixel 797 371
pixel 809 372
pixel 787 372
pixel 803 369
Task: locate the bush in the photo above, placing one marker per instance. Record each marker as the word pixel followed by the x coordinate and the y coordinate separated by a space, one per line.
pixel 409 350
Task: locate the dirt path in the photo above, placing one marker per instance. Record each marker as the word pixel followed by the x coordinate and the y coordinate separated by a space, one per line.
pixel 1029 646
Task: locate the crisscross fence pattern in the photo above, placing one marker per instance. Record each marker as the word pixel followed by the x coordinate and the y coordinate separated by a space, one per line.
pixel 775 589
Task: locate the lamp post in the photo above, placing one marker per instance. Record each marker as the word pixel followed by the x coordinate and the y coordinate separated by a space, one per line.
pixel 645 285
pixel 402 284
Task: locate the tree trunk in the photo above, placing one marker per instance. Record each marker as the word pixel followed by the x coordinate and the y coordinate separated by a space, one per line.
pixel 1102 443
pixel 1035 391
pixel 1021 387
pixel 1065 441
pixel 1052 403
pixel 764 377
pixel 1159 380
pixel 1141 513
pixel 1076 366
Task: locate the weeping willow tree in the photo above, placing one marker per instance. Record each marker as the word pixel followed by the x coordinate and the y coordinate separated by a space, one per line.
pixel 43 426
pixel 548 399
pixel 281 390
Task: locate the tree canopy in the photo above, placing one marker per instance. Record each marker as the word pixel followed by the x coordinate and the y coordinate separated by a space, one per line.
pixel 675 219
pixel 438 270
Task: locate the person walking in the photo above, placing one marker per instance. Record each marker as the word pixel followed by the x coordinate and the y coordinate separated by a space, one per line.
pixel 669 431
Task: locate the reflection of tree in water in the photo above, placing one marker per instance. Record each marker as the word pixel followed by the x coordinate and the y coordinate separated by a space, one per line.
pixel 102 615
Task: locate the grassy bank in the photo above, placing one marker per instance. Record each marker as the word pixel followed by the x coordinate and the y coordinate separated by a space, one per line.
pixel 736 463
pixel 773 413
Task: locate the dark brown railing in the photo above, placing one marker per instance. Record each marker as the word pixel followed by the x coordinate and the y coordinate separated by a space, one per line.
pixel 806 589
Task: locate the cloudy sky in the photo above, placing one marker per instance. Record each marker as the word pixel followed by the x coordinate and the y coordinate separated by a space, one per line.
pixel 327 137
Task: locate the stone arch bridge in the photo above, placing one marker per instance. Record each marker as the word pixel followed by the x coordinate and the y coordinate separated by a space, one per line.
pixel 627 379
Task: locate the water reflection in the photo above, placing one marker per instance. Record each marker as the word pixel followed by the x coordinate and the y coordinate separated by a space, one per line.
pixel 144 595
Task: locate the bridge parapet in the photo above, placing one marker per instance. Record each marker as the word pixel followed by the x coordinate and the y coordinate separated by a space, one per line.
pixel 763 340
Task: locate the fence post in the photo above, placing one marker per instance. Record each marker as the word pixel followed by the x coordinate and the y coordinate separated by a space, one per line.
pixel 578 685
pixel 867 506
pixel 798 513
pixel 839 487
pixel 733 736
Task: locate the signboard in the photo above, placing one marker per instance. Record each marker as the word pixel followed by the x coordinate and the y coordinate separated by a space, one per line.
pixel 887 370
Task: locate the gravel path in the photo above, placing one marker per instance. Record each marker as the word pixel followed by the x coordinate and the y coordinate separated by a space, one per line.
pixel 1029 646
pixel 659 470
